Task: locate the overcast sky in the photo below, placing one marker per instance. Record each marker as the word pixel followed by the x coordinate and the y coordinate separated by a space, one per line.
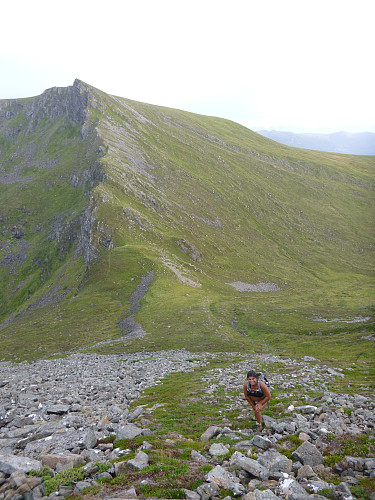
pixel 300 65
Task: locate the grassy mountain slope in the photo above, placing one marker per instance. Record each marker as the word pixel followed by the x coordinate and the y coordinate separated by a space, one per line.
pixel 105 191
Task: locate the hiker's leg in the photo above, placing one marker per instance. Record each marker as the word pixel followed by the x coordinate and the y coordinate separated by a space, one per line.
pixel 258 414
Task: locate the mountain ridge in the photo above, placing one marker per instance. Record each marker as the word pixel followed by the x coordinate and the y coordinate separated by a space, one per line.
pixel 100 191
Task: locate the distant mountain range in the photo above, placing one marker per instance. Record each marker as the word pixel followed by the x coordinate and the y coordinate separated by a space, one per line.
pixel 361 143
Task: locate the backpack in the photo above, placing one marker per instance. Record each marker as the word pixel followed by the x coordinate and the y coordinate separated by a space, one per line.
pixel 262 378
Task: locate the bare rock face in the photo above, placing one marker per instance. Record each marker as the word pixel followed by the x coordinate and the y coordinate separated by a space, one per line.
pixel 59 101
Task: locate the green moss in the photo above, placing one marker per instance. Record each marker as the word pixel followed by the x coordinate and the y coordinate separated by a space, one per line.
pixel 66 477
pixel 146 490
pixel 364 489
pixel 288 445
pixel 44 472
pixel 326 492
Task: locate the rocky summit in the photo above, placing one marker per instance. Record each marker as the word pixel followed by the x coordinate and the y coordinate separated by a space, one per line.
pixel 82 426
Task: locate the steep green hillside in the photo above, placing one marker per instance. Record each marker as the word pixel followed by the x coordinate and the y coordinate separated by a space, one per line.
pixel 119 216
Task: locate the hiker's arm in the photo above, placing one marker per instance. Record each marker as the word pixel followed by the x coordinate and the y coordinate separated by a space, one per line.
pixel 266 392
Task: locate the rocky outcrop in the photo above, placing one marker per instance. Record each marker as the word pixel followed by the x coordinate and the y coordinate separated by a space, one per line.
pixel 51 145
pixel 56 102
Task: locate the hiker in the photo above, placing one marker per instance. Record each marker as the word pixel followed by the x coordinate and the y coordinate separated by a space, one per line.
pixel 257 394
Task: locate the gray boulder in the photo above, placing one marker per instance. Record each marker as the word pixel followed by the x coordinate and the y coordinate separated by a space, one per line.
pixel 268 421
pixel 244 445
pixel 260 495
pixel 236 488
pixel 211 432
pixel 90 439
pixel 305 472
pixel 314 485
pixel 81 485
pixel 289 488
pixel 65 461
pixel 307 409
pixel 251 466
pixel 342 492
pixel 369 464
pixel 139 462
pixel 58 409
pixel 261 442
pixel 47 429
pixel 208 490
pixel 11 463
pixel 129 431
pixel 308 454
pixel 275 462
pixel 191 495
pixel 135 414
pixel 198 457
pixel 218 449
pixel 221 477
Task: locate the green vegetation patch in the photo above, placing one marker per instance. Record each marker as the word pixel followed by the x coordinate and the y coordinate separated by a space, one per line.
pixel 288 445
pixel 67 477
pixel 348 445
pixel 180 405
pixel 166 477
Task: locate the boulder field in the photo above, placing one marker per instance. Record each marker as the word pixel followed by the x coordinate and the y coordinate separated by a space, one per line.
pixel 70 412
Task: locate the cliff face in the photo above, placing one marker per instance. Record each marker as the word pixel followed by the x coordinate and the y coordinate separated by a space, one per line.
pixel 54 103
pixel 49 165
